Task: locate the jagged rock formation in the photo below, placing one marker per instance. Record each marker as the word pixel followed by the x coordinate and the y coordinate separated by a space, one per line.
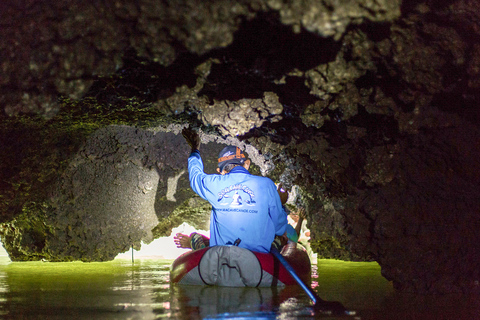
pixel 369 107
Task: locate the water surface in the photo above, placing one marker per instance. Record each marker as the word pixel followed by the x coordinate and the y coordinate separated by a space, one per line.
pixel 121 290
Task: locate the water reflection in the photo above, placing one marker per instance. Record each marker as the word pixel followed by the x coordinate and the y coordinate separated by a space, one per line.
pixel 122 290
pixel 112 290
pixel 212 302
pixel 291 302
pixel 233 303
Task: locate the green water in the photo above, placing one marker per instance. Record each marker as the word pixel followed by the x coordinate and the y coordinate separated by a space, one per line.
pixel 122 290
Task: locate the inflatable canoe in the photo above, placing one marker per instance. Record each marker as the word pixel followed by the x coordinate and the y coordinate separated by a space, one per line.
pixel 231 266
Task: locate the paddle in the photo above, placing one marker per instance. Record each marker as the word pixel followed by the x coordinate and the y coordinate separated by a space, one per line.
pixel 319 304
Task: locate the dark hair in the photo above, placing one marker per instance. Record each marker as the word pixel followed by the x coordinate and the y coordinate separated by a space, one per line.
pixel 227 168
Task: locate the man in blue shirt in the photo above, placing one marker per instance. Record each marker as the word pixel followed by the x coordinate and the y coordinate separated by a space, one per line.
pixel 246 209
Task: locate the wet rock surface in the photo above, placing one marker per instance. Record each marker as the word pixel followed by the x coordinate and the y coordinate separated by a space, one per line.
pixel 369 108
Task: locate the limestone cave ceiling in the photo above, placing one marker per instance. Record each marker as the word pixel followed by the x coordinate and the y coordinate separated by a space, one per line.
pixel 368 107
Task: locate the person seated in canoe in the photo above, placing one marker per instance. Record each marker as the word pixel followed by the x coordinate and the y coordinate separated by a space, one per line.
pixel 291 232
pixel 197 241
pixel 246 209
pixel 297 219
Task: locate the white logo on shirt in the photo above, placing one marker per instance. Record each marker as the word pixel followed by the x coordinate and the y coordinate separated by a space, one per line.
pixel 225 197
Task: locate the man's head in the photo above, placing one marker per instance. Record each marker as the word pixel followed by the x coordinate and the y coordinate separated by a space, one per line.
pixel 231 157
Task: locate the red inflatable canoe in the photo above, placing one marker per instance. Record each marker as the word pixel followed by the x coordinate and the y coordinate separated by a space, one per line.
pixel 231 266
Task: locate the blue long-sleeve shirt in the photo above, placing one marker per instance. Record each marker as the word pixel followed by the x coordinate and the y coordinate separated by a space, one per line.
pixel 244 206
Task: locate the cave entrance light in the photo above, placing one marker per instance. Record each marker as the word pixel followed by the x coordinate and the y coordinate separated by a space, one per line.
pixel 3 252
pixel 163 247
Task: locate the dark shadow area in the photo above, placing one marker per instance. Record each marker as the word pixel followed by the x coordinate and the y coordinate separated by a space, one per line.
pixel 391 86
pixel 458 97
pixel 381 129
pixel 146 80
pixel 263 51
pixel 376 31
pixel 282 132
pixel 464 103
pixel 335 130
pixel 409 6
